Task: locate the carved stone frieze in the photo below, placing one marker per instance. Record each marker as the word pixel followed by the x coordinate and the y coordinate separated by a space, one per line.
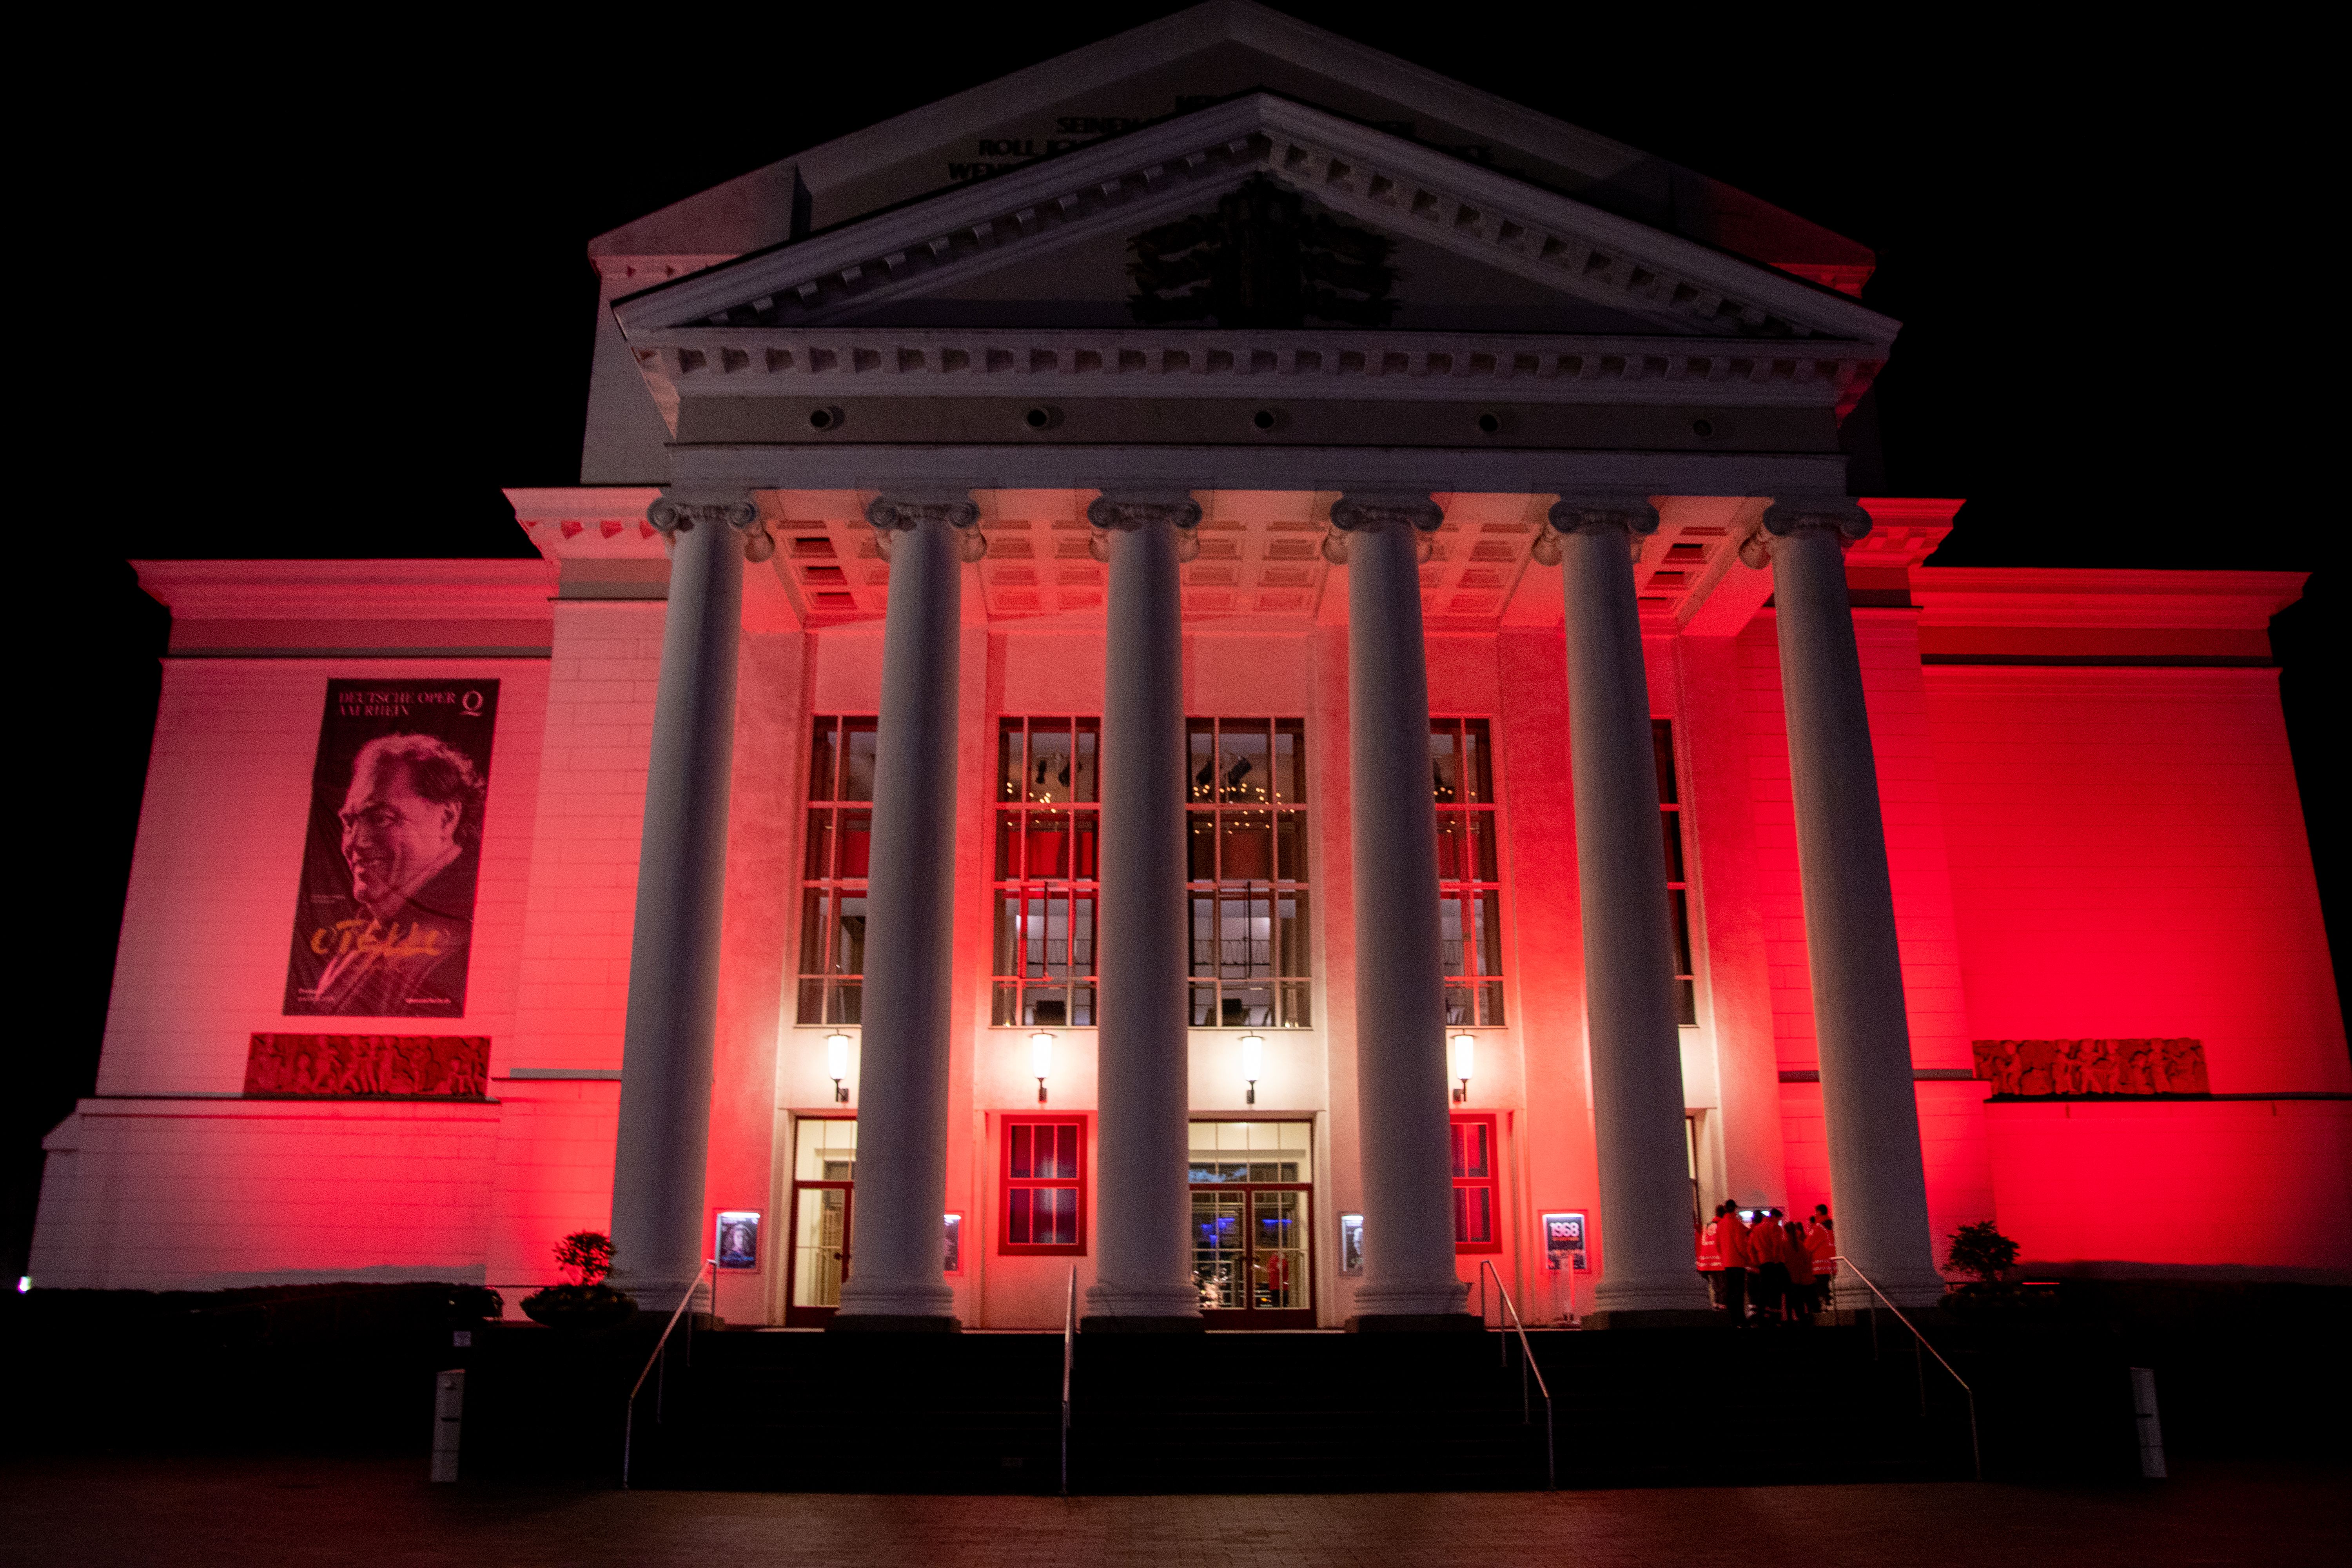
pixel 1216 362
pixel 2033 1069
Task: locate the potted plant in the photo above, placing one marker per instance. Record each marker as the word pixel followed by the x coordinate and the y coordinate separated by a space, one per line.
pixel 583 1301
pixel 1982 1253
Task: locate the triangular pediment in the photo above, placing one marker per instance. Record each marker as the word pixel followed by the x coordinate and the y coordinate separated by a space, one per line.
pixel 1206 54
pixel 1475 248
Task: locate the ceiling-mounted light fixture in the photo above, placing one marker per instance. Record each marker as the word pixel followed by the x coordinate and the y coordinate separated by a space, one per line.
pixel 1041 1059
pixel 1465 1050
pixel 836 1065
pixel 1253 1058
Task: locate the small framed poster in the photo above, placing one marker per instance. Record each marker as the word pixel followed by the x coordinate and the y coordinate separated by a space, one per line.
pixel 1563 1235
pixel 955 1244
pixel 1351 1244
pixel 738 1238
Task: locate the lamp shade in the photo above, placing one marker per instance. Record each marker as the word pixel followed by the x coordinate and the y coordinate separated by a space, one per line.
pixel 1253 1056
pixel 837 1056
pixel 1041 1055
pixel 1465 1052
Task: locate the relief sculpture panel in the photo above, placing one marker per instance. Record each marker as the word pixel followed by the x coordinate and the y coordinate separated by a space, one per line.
pixel 2036 1069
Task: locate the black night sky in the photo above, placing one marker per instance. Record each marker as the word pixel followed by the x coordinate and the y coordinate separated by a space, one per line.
pixel 325 298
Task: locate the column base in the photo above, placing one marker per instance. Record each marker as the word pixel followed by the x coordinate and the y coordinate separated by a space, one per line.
pixel 1914 1296
pixel 1414 1323
pixel 1843 1316
pixel 892 1323
pixel 1657 1317
pixel 1098 1323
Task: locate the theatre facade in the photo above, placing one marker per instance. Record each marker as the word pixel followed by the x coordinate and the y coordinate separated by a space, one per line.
pixel 1233 671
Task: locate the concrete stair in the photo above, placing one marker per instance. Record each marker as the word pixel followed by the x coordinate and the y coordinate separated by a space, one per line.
pixel 1215 1413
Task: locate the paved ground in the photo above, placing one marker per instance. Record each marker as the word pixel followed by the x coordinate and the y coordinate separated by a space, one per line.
pixel 330 1511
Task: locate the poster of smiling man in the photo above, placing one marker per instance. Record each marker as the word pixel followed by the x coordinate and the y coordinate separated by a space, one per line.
pixel 385 919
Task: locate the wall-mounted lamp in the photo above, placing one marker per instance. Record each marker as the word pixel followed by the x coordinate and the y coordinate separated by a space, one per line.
pixel 1253 1058
pixel 836 1065
pixel 1041 1059
pixel 1465 1050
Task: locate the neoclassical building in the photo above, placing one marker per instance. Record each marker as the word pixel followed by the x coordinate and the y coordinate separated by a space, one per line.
pixel 1229 668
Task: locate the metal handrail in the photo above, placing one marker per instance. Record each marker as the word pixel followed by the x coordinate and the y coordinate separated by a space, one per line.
pixel 1976 1452
pixel 1069 1352
pixel 1527 1367
pixel 629 1429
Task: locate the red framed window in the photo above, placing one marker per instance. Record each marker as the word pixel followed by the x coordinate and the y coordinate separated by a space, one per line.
pixel 1047 821
pixel 1469 880
pixel 1246 870
pixel 1477 1186
pixel 1044 1187
pixel 833 876
pixel 1670 822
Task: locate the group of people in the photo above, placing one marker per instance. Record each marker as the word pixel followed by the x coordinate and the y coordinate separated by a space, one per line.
pixel 1764 1267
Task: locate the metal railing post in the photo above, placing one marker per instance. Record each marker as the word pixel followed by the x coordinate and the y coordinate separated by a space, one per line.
pixel 1069 1353
pixel 629 1426
pixel 1513 1322
pixel 1975 1450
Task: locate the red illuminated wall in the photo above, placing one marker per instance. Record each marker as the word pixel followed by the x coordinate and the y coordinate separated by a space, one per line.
pixel 2129 859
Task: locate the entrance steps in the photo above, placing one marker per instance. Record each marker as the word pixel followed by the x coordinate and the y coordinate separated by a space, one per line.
pixel 1257 1412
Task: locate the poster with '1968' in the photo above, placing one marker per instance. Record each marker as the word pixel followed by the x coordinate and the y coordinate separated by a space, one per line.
pixel 383 924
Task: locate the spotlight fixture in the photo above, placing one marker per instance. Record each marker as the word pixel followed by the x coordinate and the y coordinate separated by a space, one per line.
pixel 836 1065
pixel 1465 1048
pixel 1041 1059
pixel 1253 1058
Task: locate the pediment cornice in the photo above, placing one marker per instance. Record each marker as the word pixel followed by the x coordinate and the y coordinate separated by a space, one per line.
pixel 1677 287
pixel 1337 363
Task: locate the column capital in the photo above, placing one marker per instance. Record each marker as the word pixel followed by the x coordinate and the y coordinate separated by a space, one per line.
pixel 1594 511
pixel 1805 514
pixel 1125 511
pixel 1378 512
pixel 679 512
pixel 900 511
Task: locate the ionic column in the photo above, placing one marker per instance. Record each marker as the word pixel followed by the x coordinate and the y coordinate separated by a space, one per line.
pixel 1143 1273
pixel 897 1248
pixel 665 1118
pixel 1628 965
pixel 1876 1181
pixel 1409 1279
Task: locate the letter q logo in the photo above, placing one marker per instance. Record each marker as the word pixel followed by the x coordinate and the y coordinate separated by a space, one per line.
pixel 471 703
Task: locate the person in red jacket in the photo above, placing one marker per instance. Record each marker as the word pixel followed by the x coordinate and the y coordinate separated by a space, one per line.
pixel 1731 1248
pixel 1801 1270
pixel 1739 1263
pixel 1768 1254
pixel 1820 1242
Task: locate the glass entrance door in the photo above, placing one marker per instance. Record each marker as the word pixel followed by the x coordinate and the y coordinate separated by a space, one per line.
pixel 1253 1197
pixel 824 1164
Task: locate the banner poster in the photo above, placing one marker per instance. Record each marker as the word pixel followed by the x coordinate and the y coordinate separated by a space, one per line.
pixel 384 924
pixel 354 1067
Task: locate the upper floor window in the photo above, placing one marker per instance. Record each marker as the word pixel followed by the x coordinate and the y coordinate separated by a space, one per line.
pixel 833 872
pixel 1246 837
pixel 1047 821
pixel 1670 822
pixel 1469 886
